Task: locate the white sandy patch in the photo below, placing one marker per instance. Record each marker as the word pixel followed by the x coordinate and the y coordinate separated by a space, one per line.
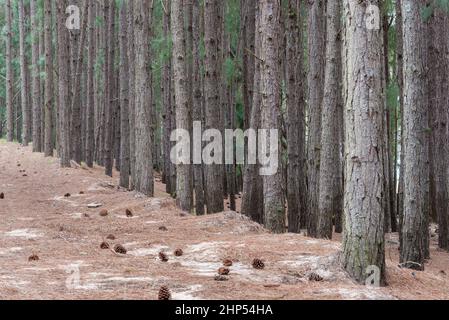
pixel 144 252
pixel 10 250
pixel 24 233
pixel 358 293
pixel 64 199
pixel 188 294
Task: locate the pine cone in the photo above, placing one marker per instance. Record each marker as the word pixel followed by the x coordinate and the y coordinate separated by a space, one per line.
pixel 120 249
pixel 163 228
pixel 163 257
pixel 179 253
pixel 129 213
pixel 67 195
pixel 315 277
pixel 227 263
pixel 2 196
pixel 104 213
pixel 104 246
pixel 33 258
pixel 111 237
pixel 223 271
pixel 258 264
pixel 164 293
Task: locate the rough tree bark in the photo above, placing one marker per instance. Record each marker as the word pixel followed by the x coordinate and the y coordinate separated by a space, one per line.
pixel 414 249
pixel 90 108
pixel 363 241
pixel 143 100
pixel 183 116
pixel 26 121
pixel 330 203
pixel 35 79
pixel 49 85
pixel 124 97
pixel 317 44
pixel 9 74
pixel 270 79
pixel 213 172
pixel 295 93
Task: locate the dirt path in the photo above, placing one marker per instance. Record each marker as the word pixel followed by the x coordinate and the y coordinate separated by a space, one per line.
pixel 37 219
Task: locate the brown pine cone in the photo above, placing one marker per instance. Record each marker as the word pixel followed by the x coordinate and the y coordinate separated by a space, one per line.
pixel 223 271
pixel 163 257
pixel 164 293
pixel 178 253
pixel 104 245
pixel 258 264
pixel 120 249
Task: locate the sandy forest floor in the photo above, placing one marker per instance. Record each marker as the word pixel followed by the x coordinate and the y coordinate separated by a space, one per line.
pixel 37 219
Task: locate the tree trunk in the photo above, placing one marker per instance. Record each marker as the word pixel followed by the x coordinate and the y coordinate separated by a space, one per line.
pixel 63 58
pixel 252 202
pixel 35 79
pixel 124 98
pixel 317 44
pixel 330 186
pixel 49 84
pixel 274 204
pixel 183 115
pixel 143 102
pixel 294 74
pixel 197 102
pixel 414 249
pixel 213 172
pixel 90 108
pixel 363 241
pixel 9 74
pixel 132 92
pixel 439 105
pixel 26 121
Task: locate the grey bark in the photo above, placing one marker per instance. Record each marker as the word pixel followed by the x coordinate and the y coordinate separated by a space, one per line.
pixel 35 79
pixel 363 243
pixel 274 204
pixel 316 47
pixel 9 74
pixel 330 195
pixel 49 84
pixel 414 249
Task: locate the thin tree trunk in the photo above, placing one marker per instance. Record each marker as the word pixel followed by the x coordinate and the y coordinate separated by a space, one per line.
pixel 143 102
pixel 35 79
pixel 49 84
pixel 132 92
pixel 414 249
pixel 330 195
pixel 90 108
pixel 213 172
pixel 63 58
pixel 9 74
pixel 197 102
pixel 274 204
pixel 316 36
pixel 26 121
pixel 294 73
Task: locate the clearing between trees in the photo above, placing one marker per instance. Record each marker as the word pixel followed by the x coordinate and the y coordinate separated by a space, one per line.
pixel 50 246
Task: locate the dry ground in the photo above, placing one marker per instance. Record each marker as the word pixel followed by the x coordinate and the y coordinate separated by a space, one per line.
pixel 37 219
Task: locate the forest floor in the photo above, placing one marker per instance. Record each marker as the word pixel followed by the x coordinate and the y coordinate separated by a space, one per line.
pixel 38 219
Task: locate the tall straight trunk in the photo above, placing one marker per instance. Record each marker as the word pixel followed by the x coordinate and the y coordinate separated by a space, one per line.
pixel 124 98
pixel 439 106
pixel 90 106
pixel 166 97
pixel 183 114
pixel 270 78
pixel 213 172
pixel 414 249
pixel 197 102
pixel 249 31
pixel 26 121
pixel 143 102
pixel 49 84
pixel 294 75
pixel 363 242
pixel 317 44
pixel 76 116
pixel 109 104
pixel 330 187
pixel 132 91
pixel 9 74
pixel 35 79
pixel 252 202
pixel 63 58
pixel 400 79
